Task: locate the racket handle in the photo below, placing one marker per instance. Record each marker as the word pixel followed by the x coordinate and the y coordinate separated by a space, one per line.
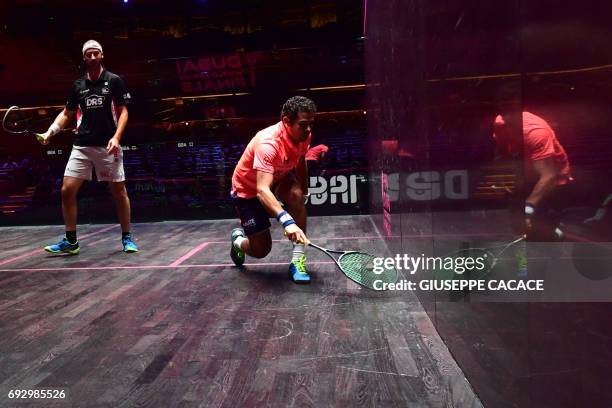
pixel 299 242
pixel 41 139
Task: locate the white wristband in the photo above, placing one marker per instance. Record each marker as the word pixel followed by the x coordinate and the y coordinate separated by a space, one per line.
pixel 54 129
pixel 529 209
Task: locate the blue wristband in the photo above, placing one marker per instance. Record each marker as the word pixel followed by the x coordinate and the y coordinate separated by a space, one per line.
pixel 285 219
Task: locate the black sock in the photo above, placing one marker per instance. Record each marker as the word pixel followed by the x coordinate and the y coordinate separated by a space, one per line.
pixel 125 234
pixel 71 237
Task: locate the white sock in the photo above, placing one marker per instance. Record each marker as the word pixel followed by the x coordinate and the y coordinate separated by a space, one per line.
pixel 238 242
pixel 298 250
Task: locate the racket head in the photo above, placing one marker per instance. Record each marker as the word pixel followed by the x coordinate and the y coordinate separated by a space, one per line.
pixel 359 267
pixel 16 121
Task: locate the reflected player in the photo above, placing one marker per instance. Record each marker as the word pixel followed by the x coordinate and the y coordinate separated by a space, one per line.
pixel 547 170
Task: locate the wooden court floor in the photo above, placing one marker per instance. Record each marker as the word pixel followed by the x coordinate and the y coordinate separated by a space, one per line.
pixel 177 325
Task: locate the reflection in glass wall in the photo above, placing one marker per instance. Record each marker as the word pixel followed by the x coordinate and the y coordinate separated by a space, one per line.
pixel 490 123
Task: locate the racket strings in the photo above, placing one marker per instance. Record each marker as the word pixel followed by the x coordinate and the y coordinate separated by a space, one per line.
pixel 359 267
pixel 16 121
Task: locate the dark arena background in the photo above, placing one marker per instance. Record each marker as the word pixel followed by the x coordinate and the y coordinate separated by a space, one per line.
pixel 406 92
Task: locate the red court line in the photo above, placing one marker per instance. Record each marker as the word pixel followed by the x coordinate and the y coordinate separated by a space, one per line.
pixel 39 250
pixel 572 237
pixel 99 231
pixel 103 268
pixel 204 244
pixel 189 254
pixel 377 237
pixel 313 239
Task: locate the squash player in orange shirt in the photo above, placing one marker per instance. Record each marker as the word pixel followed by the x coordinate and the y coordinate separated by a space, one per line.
pixel 273 169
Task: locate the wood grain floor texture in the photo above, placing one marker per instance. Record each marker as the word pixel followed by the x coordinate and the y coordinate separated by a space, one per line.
pixel 177 325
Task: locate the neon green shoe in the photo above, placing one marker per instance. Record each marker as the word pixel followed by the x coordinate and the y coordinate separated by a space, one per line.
pixel 297 270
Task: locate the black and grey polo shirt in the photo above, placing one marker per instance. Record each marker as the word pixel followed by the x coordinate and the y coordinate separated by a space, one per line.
pixel 95 103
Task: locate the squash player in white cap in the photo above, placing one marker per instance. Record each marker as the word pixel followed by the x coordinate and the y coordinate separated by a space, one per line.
pixel 99 99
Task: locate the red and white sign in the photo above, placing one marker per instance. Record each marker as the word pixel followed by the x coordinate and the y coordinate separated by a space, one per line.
pixel 218 74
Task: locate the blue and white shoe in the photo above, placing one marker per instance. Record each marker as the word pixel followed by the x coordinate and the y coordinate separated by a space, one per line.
pixel 129 246
pixel 236 254
pixel 64 247
pixel 297 270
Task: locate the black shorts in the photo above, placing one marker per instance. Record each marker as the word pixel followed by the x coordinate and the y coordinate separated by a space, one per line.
pixel 550 211
pixel 253 216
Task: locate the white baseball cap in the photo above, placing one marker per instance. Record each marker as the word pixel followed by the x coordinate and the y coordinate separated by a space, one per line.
pixel 91 44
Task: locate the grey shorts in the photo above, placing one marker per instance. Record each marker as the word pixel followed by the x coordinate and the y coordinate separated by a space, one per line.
pixel 109 167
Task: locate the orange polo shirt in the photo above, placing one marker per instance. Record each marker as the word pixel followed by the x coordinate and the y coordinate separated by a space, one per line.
pixel 539 142
pixel 270 151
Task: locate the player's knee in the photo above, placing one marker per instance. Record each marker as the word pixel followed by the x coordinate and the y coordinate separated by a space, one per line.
pixel 119 191
pixel 68 191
